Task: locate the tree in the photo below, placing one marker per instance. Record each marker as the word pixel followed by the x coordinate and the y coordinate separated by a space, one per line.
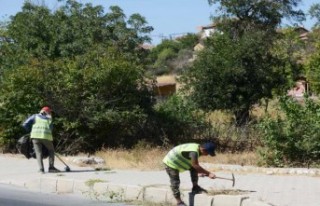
pixel 96 100
pixel 238 68
pixel 85 64
pixel 234 75
pixel 74 29
pixel 315 13
pixel 313 61
pixel 260 12
pixel 292 50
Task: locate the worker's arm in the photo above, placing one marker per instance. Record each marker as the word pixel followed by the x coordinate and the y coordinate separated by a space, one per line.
pixel 201 170
pixel 27 125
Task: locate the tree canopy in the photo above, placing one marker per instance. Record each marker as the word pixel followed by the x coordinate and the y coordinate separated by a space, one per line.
pixel 260 12
pixel 315 13
pixel 238 68
pixel 84 63
pixel 74 29
pixel 89 67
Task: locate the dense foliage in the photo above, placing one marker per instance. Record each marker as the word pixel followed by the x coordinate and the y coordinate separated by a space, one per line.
pixel 313 62
pixel 75 29
pixel 238 67
pixel 89 67
pixel 92 68
pixel 96 101
pixel 234 74
pixel 315 13
pixel 180 119
pixel 292 139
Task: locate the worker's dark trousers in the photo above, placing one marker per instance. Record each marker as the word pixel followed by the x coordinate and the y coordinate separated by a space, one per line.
pixel 37 145
pixel 175 179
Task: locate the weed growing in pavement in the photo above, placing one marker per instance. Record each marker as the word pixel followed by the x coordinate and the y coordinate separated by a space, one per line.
pixel 115 195
pixel 90 183
pixel 91 193
pixel 102 169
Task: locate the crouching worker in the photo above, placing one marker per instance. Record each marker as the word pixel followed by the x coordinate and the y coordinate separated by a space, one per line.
pixel 185 157
pixel 40 126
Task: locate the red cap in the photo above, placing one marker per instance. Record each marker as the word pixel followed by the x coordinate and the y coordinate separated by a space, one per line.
pixel 46 109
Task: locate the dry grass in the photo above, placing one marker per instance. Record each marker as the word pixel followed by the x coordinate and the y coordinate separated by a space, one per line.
pixel 259 111
pixel 244 158
pixel 219 117
pixel 228 192
pixel 132 159
pixel 151 158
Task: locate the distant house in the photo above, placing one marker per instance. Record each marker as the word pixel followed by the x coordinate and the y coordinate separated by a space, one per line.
pixel 146 46
pixel 204 32
pixel 165 87
pixel 303 32
pixel 300 89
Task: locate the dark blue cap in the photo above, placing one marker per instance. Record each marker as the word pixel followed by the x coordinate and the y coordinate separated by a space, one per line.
pixel 210 148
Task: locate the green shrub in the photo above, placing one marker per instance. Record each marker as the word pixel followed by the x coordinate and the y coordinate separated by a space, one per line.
pixel 292 140
pixel 96 101
pixel 178 120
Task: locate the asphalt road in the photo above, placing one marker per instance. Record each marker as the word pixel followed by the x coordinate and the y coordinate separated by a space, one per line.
pixel 17 196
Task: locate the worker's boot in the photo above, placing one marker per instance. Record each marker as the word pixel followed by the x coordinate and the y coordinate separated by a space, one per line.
pixel 198 190
pixel 53 170
pixel 181 204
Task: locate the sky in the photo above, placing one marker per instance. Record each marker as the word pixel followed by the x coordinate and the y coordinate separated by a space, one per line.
pixel 169 18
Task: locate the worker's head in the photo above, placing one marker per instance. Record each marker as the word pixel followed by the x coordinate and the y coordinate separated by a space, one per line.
pixel 208 149
pixel 46 111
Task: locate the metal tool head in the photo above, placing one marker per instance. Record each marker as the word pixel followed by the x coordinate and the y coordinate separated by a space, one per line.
pixel 231 179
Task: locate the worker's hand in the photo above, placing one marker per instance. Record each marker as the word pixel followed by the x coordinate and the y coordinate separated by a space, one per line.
pixel 211 175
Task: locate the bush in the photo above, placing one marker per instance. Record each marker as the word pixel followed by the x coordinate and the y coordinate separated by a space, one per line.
pixel 177 120
pixel 96 101
pixel 292 140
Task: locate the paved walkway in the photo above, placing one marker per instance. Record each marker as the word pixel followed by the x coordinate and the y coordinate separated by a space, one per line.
pixel 301 189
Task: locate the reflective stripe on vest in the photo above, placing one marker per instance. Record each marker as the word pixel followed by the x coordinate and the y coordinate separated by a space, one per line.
pixel 176 160
pixel 41 129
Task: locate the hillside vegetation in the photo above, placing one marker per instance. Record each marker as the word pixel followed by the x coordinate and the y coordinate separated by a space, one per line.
pixel 92 68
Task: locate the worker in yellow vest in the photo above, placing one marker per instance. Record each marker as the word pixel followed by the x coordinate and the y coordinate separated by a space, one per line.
pixel 40 126
pixel 185 157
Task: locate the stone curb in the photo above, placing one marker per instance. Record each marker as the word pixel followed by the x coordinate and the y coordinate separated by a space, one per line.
pixel 105 191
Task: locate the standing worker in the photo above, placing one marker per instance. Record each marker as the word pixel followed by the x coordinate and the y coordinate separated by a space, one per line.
pixel 185 157
pixel 40 126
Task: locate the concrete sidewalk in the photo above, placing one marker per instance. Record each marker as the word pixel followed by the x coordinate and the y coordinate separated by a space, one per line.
pixel 251 189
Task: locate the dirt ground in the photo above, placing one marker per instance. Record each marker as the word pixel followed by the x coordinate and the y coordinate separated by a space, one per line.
pixel 228 192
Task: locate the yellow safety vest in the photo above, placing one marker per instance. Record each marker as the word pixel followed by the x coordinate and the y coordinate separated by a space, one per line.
pixel 176 160
pixel 41 129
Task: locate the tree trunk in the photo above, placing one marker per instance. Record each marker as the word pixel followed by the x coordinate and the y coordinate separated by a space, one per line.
pixel 242 117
